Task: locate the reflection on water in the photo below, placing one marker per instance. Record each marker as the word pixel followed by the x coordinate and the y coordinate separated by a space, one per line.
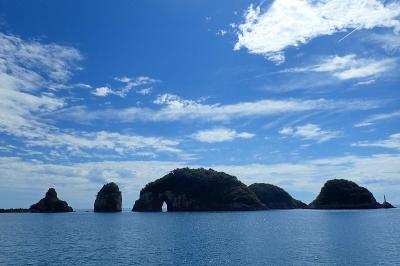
pixel 301 237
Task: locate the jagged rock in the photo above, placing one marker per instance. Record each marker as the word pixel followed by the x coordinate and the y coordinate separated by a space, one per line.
pixel 275 197
pixel 197 190
pixel 387 205
pixel 344 194
pixel 109 199
pixel 50 203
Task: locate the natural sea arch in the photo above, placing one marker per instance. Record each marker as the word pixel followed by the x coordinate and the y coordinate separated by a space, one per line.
pixel 200 189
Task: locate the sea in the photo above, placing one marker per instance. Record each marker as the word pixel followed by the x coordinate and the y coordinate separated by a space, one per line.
pixel 281 237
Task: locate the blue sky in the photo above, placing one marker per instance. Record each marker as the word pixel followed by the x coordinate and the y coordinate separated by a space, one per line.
pixel 290 93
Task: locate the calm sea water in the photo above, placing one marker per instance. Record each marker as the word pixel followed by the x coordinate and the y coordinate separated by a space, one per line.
pixel 296 237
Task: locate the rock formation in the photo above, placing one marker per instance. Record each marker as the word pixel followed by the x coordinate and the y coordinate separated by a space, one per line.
pixel 344 194
pixel 109 199
pixel 387 205
pixel 197 190
pixel 50 203
pixel 275 197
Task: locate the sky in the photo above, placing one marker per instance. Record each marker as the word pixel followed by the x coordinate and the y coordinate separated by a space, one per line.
pixel 292 93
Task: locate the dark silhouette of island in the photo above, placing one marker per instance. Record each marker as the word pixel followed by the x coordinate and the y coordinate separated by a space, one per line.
pixel 385 204
pixel 109 199
pixel 197 190
pixel 51 203
pixel 200 189
pixel 345 194
pixel 275 197
pixel 17 210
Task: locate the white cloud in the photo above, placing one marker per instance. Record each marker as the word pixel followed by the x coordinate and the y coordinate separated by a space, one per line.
pixel 29 72
pixel 366 82
pixel 145 91
pixel 102 91
pixel 128 85
pixel 25 68
pixel 80 143
pixel 32 64
pixel 393 142
pixel 221 32
pixel 220 135
pixel 174 108
pixel 309 132
pixel 390 42
pixel 83 86
pixel 350 67
pixel 292 23
pixel 377 117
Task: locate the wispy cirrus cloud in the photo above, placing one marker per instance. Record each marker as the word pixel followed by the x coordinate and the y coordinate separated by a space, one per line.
pixel 349 67
pixel 175 108
pixel 390 42
pixel 377 117
pixel 310 132
pixel 220 135
pixel 25 68
pixel 392 142
pixel 128 85
pixel 292 23
pixel 87 144
pixel 30 74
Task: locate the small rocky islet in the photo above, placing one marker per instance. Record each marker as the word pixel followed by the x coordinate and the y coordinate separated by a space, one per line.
pixel 51 203
pixel 109 199
pixel 345 194
pixel 202 189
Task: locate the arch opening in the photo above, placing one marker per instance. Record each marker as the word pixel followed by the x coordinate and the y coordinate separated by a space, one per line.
pixel 164 206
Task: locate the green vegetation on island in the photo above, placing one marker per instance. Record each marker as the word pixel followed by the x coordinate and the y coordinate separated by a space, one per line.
pixel 275 197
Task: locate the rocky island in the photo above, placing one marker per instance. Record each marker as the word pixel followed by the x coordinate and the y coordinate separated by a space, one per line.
pixel 51 203
pixel 275 197
pixel 200 189
pixel 344 194
pixel 385 204
pixel 109 199
pixel 197 190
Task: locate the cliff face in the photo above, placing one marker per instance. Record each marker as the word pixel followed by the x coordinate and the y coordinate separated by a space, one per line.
pixel 344 194
pixel 109 199
pixel 51 203
pixel 197 190
pixel 275 197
